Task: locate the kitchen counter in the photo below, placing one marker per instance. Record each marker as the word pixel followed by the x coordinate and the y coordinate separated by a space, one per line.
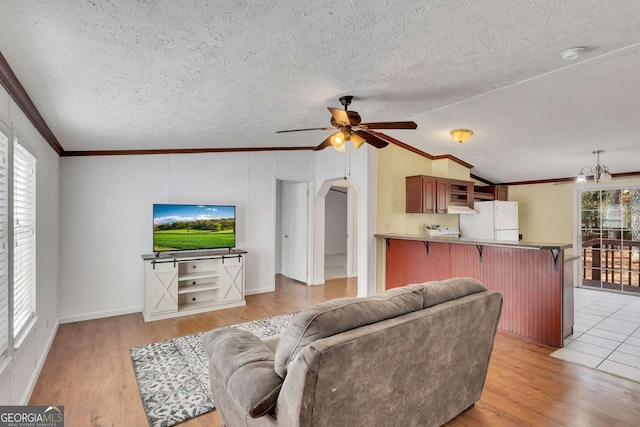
pixel 535 279
pixel 463 241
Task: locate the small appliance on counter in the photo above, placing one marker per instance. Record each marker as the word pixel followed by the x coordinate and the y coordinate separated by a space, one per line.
pixel 444 232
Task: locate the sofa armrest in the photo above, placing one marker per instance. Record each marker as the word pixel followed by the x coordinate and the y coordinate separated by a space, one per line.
pixel 244 365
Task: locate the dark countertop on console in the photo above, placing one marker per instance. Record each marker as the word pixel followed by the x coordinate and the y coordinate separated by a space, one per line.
pixel 464 241
pixel 193 254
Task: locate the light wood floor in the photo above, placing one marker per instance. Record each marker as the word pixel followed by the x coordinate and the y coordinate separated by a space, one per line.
pixel 88 370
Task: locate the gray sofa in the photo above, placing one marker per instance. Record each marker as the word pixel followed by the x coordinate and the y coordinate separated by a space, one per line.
pixel 411 356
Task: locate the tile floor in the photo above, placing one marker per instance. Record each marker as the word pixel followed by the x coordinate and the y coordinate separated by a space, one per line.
pixel 606 333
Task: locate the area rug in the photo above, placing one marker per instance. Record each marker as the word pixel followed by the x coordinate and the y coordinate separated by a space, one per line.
pixel 173 374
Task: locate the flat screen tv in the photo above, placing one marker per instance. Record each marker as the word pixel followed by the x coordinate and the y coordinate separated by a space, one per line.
pixel 193 227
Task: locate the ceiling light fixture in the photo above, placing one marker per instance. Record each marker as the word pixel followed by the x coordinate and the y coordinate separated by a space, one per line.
pixel 571 54
pixel 461 135
pixel 600 172
pixel 337 140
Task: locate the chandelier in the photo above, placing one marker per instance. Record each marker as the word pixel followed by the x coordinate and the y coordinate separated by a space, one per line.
pixel 600 172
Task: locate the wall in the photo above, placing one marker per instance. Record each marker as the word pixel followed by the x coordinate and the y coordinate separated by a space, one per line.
pixel 106 219
pixel 546 211
pixel 278 239
pixel 358 166
pixel 394 164
pixel 18 379
pixel 335 241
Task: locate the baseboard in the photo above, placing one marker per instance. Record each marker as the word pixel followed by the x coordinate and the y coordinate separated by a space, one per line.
pixel 43 358
pixel 259 291
pixel 99 314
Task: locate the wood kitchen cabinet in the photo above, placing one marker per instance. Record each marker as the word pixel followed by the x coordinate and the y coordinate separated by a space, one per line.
pixel 428 194
pixel 491 192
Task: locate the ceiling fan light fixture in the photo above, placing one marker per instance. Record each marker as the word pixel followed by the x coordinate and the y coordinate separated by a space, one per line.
pixel 357 140
pixel 340 149
pixel 337 139
pixel 461 135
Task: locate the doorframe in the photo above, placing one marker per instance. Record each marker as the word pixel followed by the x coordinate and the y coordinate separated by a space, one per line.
pixel 277 217
pixel 577 216
pixel 320 232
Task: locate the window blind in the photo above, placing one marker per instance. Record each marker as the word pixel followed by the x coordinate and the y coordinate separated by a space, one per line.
pixel 24 231
pixel 4 242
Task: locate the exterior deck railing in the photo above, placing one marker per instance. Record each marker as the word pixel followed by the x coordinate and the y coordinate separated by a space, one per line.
pixel 611 264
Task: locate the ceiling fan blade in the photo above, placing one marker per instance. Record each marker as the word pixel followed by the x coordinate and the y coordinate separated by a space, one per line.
pixel 372 139
pixel 389 125
pixel 340 116
pixel 301 130
pixel 324 144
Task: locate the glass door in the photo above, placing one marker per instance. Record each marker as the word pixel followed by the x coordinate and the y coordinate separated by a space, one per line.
pixel 610 239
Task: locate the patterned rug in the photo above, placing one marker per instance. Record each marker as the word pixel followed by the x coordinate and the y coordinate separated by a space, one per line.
pixel 173 375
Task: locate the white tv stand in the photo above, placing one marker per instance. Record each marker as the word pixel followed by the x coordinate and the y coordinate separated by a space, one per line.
pixel 182 283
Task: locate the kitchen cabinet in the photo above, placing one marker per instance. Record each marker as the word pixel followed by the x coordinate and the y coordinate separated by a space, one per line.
pixel 491 192
pixel 428 194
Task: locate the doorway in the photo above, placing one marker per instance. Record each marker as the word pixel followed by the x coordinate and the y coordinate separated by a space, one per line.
pixel 336 234
pixel 292 219
pixel 609 238
pixel 336 242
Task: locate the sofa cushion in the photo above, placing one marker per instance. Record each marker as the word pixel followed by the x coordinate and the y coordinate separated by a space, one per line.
pixel 339 315
pixel 437 292
pixel 245 366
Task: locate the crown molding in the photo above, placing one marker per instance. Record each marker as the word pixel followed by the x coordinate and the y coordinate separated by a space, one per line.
pixel 177 151
pixel 10 82
pixel 570 179
pixel 425 154
pixel 479 178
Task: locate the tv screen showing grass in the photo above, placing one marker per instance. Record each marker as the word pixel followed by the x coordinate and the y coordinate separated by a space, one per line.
pixel 192 227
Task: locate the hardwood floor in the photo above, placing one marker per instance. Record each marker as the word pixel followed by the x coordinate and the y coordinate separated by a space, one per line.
pixel 88 370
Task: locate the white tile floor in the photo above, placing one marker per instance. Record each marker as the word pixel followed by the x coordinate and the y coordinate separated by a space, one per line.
pixel 606 333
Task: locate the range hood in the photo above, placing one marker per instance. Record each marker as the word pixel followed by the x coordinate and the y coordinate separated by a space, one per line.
pixel 462 210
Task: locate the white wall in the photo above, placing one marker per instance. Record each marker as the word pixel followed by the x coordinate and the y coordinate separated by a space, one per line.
pixel 18 379
pixel 106 219
pixel 278 235
pixel 360 168
pixel 335 239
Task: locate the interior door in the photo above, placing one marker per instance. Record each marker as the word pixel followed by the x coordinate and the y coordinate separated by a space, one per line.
pixel 295 206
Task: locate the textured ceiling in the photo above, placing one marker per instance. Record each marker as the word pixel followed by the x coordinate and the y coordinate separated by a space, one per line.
pixel 125 74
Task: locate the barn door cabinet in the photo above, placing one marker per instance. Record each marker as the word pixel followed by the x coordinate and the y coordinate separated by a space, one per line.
pixel 428 194
pixel 190 283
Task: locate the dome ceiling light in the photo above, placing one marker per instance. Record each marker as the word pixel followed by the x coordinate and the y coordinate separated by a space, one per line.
pixel 461 135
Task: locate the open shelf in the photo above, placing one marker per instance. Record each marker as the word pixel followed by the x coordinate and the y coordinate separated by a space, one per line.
pixel 482 196
pixel 199 275
pixel 197 288
pixel 194 305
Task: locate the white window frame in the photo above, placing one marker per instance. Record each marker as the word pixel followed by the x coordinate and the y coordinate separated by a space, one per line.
pixel 5 324
pixel 24 267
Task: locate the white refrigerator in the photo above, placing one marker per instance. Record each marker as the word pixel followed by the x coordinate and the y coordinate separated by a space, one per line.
pixel 495 220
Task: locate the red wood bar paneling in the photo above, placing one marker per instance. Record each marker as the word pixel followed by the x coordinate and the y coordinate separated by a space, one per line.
pixel 408 262
pixel 531 289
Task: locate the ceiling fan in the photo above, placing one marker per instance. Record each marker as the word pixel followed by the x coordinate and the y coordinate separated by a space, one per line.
pixel 351 129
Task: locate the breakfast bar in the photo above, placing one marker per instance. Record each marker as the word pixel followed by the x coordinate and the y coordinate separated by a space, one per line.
pixel 535 279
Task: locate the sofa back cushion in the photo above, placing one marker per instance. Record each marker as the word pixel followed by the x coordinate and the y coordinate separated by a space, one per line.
pixel 339 315
pixel 434 293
